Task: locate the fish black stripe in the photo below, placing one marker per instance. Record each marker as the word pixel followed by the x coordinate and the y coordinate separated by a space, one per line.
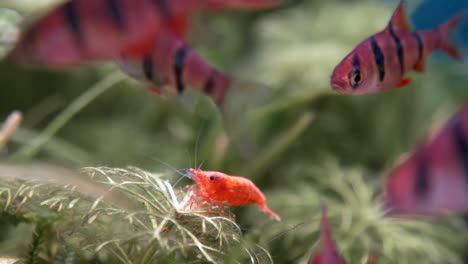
pixel 148 67
pixel 420 46
pixel 422 185
pixel 210 82
pixel 162 6
pixel 113 7
pixel 71 17
pixel 400 53
pixel 378 57
pixel 179 61
pixel 356 62
pixel 461 144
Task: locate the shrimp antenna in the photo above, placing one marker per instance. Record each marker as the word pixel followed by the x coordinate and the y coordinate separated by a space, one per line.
pixel 170 167
pixel 178 181
pixel 196 143
pixel 201 164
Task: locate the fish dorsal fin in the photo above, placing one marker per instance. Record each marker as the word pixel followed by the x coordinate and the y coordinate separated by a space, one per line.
pixel 326 238
pixel 399 20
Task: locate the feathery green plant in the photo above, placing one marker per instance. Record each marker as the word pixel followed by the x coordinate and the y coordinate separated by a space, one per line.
pixel 70 226
pixel 9 31
pixel 293 50
pixel 358 221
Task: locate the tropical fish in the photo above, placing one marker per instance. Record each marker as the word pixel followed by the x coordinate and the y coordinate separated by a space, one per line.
pixel 218 188
pixel 80 31
pixel 380 62
pixel 326 253
pixel 85 30
pixel 434 179
pixel 173 64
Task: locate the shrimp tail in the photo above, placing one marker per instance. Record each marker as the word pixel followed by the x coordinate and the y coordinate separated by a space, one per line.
pixel 270 213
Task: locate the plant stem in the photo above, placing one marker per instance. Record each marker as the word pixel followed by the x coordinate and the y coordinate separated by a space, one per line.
pixel 31 149
pixel 280 145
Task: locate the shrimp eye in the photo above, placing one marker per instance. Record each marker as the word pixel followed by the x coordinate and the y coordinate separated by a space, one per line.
pixel 355 78
pixel 212 178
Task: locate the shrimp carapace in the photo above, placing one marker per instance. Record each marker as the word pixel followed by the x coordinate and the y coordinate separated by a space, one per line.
pixel 219 188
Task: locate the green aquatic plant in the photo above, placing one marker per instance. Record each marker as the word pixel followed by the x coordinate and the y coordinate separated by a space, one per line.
pixel 9 30
pixel 67 226
pixel 358 221
pixel 292 50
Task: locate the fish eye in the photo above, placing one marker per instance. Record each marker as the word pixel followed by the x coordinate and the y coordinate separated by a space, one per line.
pixel 212 178
pixel 355 78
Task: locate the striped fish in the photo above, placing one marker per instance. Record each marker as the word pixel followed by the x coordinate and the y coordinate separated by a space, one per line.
pixel 380 62
pixel 172 64
pixel 79 31
pixel 434 179
pixel 326 253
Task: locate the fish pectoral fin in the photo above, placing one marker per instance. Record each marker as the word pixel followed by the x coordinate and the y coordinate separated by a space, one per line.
pixel 399 20
pixel 403 82
pixel 419 67
pixel 154 89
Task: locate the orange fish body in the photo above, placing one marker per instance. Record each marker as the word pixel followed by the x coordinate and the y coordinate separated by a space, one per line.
pixel 380 62
pixel 434 179
pixel 326 253
pixel 220 188
pixel 172 63
pixel 80 31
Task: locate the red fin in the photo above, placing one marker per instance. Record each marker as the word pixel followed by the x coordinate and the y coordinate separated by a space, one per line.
pixel 327 252
pixel 403 82
pixel 445 30
pixel 179 24
pixel 241 4
pixel 317 254
pixel 326 233
pixel 420 65
pixel 399 20
pixel 316 260
pixel 153 89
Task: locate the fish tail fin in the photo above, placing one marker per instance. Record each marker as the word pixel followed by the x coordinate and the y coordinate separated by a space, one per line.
pixel 326 233
pixel 445 30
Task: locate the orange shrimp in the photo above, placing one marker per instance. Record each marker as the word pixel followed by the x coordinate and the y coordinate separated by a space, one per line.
pixel 219 188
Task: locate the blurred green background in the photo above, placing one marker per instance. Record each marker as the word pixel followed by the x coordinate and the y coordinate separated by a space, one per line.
pixel 311 144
